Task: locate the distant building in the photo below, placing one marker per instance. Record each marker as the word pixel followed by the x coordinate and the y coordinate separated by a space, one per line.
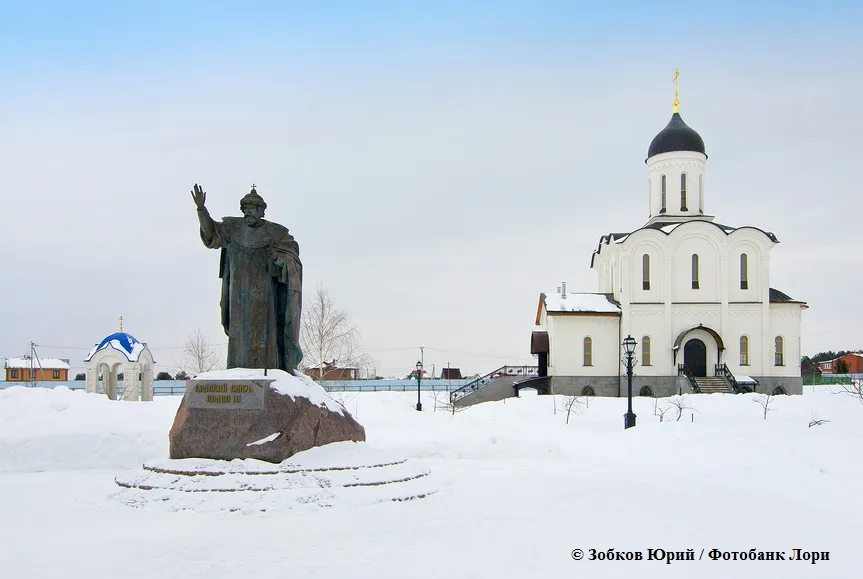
pixel 43 369
pixel 809 369
pixel 854 361
pixel 450 374
pixel 332 372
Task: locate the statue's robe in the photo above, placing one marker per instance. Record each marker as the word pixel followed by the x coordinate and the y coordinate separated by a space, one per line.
pixel 261 295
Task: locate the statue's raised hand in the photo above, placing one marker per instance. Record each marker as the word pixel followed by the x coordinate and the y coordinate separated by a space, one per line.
pixel 199 196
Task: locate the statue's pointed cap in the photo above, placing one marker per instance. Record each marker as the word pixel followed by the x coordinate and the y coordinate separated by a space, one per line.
pixel 253 199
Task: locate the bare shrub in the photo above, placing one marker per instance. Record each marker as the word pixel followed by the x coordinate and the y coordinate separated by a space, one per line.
pixel 764 400
pixel 572 404
pixel 680 403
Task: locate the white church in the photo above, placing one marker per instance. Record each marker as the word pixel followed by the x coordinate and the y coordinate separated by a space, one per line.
pixel 694 294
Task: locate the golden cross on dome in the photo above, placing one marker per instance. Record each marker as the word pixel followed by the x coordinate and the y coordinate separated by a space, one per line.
pixel 676 100
pixel 121 323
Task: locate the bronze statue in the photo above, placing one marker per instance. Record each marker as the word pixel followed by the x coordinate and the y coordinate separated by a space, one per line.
pixel 262 280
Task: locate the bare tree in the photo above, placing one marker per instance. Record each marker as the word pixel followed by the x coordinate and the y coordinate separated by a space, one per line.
pixel 855 388
pixel 199 355
pixel 660 411
pixel 572 403
pixel 680 404
pixel 764 400
pixel 328 336
pixel 443 400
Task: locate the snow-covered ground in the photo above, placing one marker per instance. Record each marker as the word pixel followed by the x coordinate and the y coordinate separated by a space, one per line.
pixel 518 491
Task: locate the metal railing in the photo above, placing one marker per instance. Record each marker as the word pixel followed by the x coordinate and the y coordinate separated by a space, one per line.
pixel 722 370
pixel 683 370
pixel 178 387
pixel 483 381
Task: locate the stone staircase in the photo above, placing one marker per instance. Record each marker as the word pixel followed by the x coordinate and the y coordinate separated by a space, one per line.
pixel 495 385
pixel 713 385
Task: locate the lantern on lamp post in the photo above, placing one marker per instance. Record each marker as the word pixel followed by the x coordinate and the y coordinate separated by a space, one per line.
pixel 419 381
pixel 628 353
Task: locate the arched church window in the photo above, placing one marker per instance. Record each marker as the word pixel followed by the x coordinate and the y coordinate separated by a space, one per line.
pixel 683 192
pixel 694 271
pixel 645 272
pixel 645 391
pixel 779 356
pixel 645 351
pixel 588 391
pixel 744 350
pixel 662 193
pixel 744 274
pixel 588 351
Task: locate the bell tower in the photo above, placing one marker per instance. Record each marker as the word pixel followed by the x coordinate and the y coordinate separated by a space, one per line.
pixel 676 162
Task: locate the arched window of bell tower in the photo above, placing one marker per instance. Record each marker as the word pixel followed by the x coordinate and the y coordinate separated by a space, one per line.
pixel 683 192
pixel 662 193
pixel 701 193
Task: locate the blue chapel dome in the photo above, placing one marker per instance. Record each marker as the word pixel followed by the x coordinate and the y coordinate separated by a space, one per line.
pixel 123 342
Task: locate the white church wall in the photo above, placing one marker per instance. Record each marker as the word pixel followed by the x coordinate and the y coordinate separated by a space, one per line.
pixel 708 252
pixel 744 320
pixel 645 320
pixel 756 245
pixel 753 292
pixel 567 333
pixel 648 243
pixel 785 321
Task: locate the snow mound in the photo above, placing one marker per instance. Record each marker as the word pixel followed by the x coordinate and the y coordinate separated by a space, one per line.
pixel 62 429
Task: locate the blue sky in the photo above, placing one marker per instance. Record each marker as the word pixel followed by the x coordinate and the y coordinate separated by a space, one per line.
pixel 462 140
pixel 88 36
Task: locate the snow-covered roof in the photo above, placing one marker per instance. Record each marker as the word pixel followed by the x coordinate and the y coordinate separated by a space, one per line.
pixel 124 343
pixel 745 380
pixel 575 302
pixel 46 363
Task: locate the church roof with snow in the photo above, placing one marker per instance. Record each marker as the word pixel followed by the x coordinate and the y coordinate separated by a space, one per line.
pixel 577 303
pixel 124 343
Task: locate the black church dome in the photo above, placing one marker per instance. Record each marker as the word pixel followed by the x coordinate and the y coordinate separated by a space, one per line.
pixel 676 136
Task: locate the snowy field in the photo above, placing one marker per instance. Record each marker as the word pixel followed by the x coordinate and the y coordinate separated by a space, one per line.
pixel 518 491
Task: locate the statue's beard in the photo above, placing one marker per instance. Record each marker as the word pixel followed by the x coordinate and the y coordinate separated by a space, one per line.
pixel 252 221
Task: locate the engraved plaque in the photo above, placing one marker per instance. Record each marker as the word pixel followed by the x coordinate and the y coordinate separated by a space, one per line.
pixel 226 394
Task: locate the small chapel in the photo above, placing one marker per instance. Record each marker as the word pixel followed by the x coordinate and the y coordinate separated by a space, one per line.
pixel 694 293
pixel 120 353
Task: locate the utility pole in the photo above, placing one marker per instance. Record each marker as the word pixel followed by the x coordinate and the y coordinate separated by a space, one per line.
pixel 33 356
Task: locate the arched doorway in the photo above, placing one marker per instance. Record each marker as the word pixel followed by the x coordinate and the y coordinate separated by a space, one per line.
pixel 695 357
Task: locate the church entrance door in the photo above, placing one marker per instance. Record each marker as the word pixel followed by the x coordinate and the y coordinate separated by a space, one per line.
pixel 695 357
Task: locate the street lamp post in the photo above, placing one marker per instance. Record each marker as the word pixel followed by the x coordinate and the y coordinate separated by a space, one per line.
pixel 419 380
pixel 629 351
